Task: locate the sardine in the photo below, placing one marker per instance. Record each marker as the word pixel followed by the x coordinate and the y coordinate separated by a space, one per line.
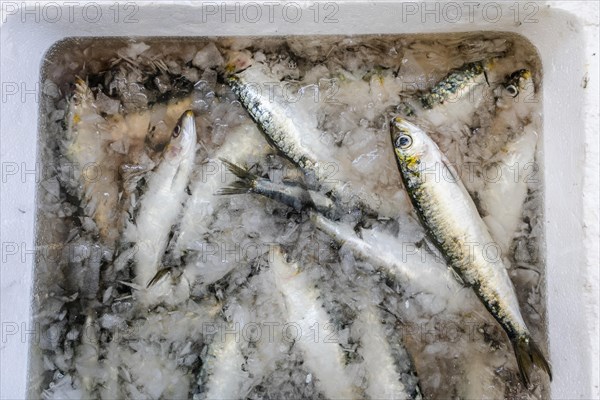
pixel 454 225
pixel 88 150
pixel 512 143
pixel 274 119
pixel 162 202
pixel 453 101
pixel 507 152
pixel 516 173
pixel 514 98
pixel 324 358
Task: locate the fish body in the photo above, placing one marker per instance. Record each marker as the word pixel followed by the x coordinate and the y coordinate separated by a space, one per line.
pixel 512 146
pixel 162 202
pixel 275 119
pixel 454 225
pixel 503 198
pixel 384 377
pixel 453 101
pixel 456 85
pixel 226 368
pixel 515 98
pixel 88 150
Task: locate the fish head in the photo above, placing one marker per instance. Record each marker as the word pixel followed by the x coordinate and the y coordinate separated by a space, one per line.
pixel 183 137
pixel 411 144
pixel 518 83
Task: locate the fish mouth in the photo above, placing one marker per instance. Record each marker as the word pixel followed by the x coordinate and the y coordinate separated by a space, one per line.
pixel 186 117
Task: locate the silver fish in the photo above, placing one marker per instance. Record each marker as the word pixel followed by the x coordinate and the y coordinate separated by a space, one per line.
pixel 274 120
pixel 162 203
pixel 113 144
pixel 454 225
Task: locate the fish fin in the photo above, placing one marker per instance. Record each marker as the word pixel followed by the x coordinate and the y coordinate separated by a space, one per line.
pixel 457 276
pixel 158 276
pixel 82 90
pixel 131 175
pixel 433 249
pixel 529 354
pixel 238 171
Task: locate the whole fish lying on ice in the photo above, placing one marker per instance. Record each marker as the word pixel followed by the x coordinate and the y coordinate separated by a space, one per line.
pixel 161 205
pixel 454 225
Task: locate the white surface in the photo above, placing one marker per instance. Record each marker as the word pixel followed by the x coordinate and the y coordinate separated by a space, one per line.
pixel 570 140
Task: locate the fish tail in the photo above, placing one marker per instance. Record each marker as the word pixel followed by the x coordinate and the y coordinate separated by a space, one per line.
pixel 245 183
pixel 529 354
pixel 238 171
pixel 81 92
pixel 237 187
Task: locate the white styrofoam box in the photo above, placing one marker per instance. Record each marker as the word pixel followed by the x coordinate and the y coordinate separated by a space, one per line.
pixel 565 34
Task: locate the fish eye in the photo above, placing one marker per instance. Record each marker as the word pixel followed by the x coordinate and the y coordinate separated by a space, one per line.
pixel 512 90
pixel 176 131
pixel 404 141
